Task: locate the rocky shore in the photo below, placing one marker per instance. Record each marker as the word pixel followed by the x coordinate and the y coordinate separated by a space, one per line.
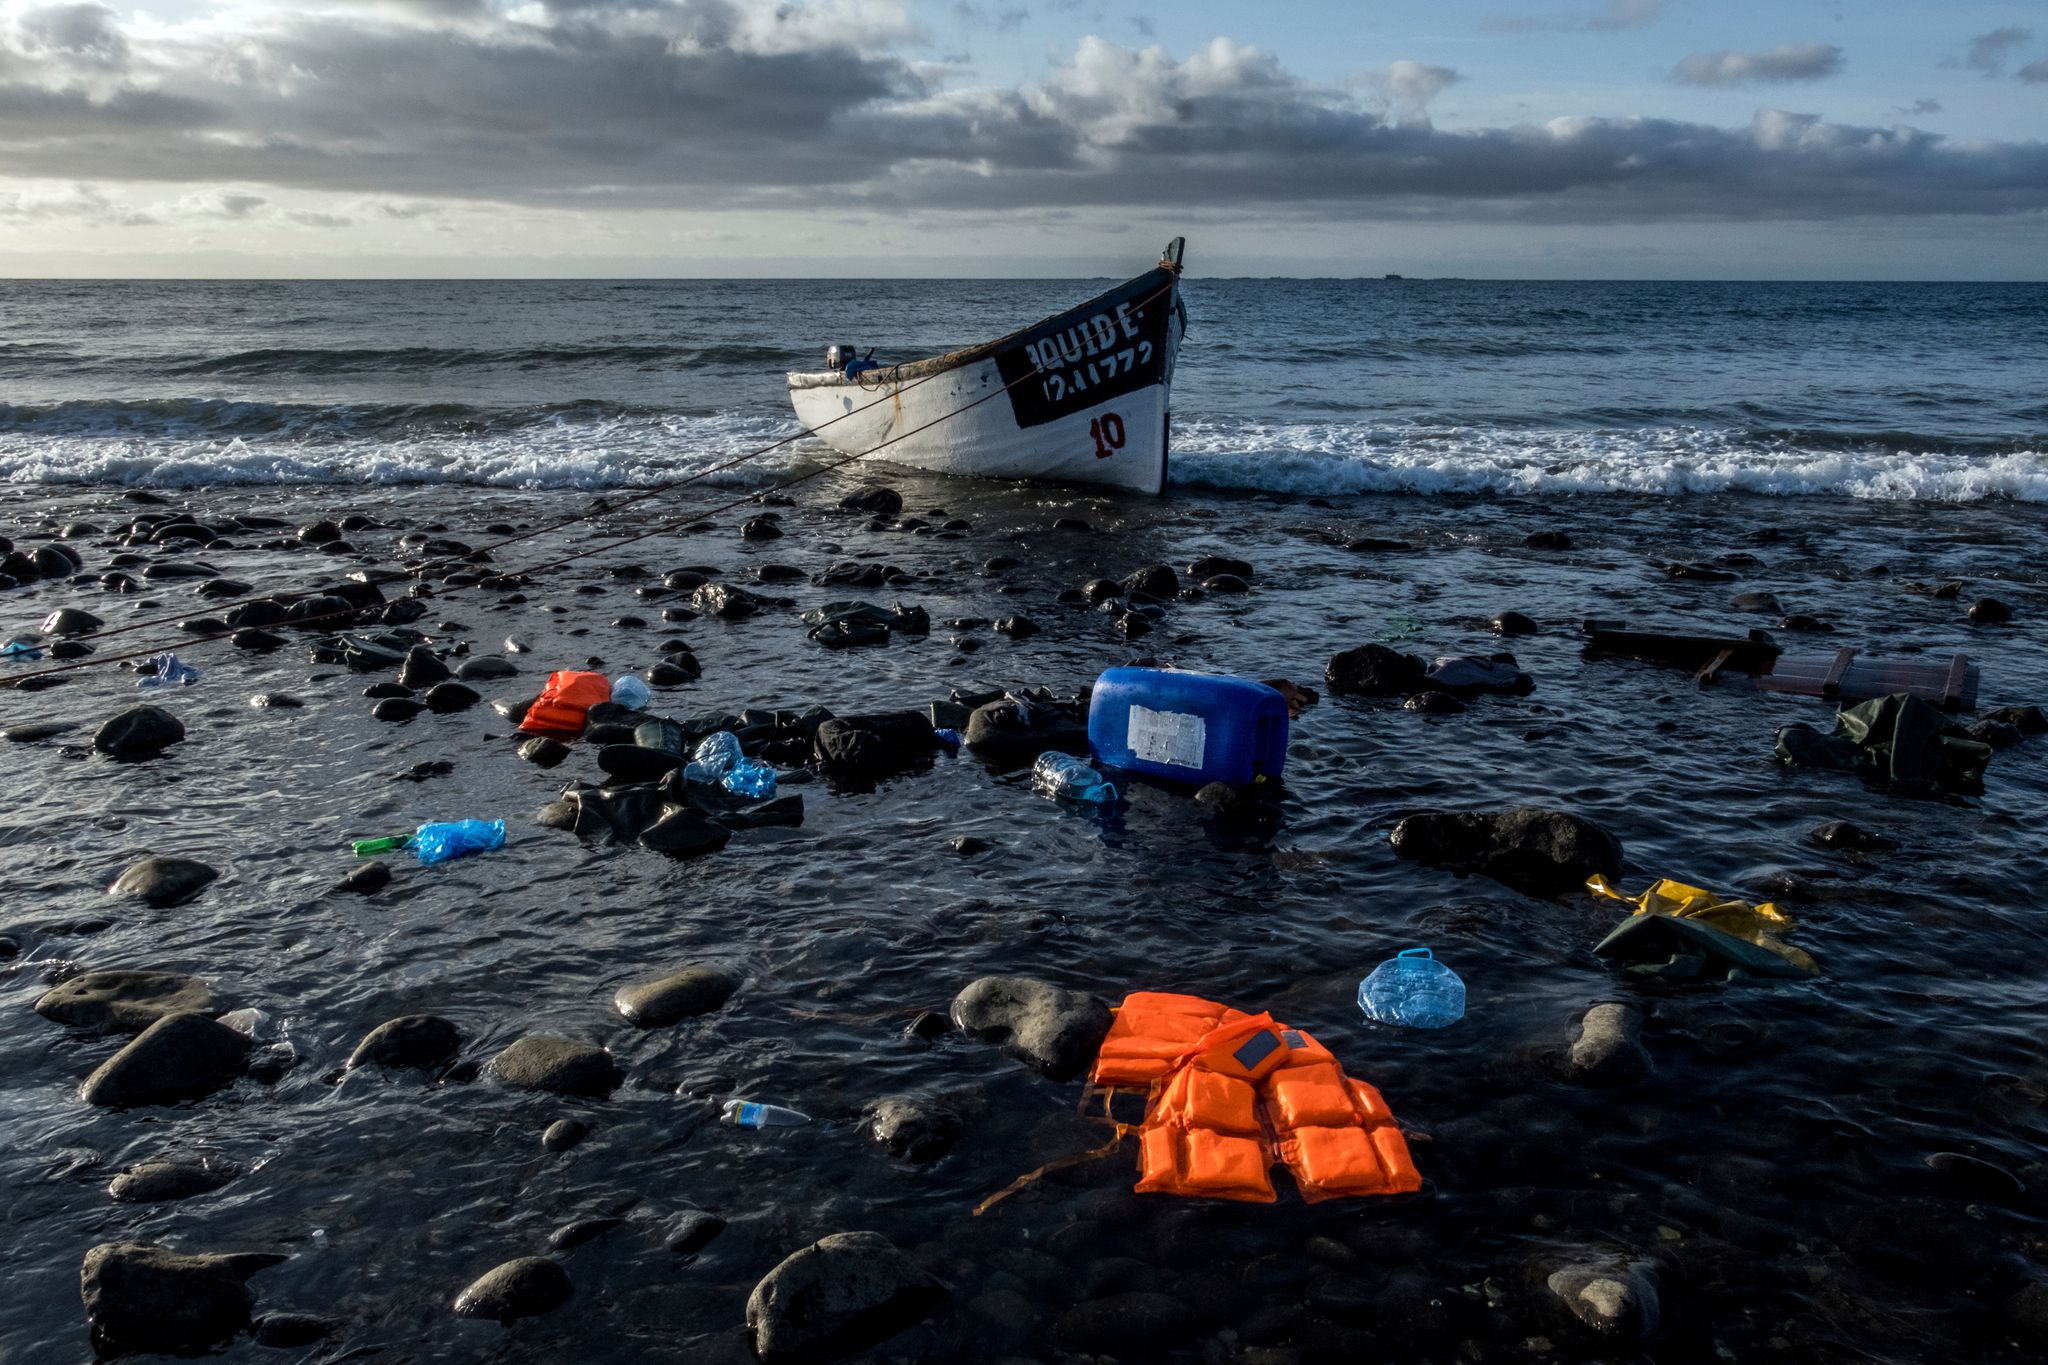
pixel 266 1096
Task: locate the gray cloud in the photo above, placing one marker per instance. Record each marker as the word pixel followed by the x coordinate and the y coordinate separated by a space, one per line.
pixel 1988 51
pixel 705 105
pixel 2035 73
pixel 1918 107
pixel 1793 62
pixel 84 34
pixel 1615 16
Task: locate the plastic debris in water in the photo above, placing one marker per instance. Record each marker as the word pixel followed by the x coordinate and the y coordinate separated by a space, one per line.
pixel 748 1114
pixel 750 777
pixel 715 756
pixel 1414 990
pixel 21 650
pixel 1058 774
pixel 167 670
pixel 437 843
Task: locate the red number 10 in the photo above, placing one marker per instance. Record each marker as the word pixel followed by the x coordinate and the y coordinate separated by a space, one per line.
pixel 1108 431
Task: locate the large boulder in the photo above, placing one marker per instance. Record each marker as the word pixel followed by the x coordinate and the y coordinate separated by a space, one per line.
pixel 123 1000
pixel 559 1065
pixel 1542 852
pixel 409 1041
pixel 522 1288
pixel 138 732
pixel 163 881
pixel 1054 1029
pixel 151 1299
pixel 179 1057
pixel 669 999
pixel 841 1294
pixel 1373 670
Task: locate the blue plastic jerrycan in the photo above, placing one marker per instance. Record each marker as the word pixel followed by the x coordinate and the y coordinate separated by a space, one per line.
pixel 1188 727
pixel 1414 990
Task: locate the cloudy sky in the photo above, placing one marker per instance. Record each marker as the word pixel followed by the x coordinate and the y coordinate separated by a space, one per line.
pixel 1660 138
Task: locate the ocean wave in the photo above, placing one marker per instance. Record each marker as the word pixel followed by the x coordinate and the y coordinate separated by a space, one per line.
pixel 1312 459
pixel 295 360
pixel 196 418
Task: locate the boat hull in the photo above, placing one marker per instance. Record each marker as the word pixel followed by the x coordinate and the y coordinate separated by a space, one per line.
pixel 1082 397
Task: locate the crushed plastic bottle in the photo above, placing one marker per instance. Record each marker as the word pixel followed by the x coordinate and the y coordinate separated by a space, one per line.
pixel 748 1114
pixel 437 843
pixel 1063 775
pixel 948 736
pixel 628 690
pixel 714 757
pixel 1414 990
pixel 370 848
pixel 750 777
pixel 167 670
pixel 20 650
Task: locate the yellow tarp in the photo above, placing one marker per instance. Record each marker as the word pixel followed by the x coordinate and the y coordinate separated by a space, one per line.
pixel 1750 923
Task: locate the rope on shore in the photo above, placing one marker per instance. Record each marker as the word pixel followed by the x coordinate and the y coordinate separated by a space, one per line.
pixel 660 527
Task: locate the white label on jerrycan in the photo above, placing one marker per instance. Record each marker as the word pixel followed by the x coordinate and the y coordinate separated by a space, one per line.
pixel 1174 737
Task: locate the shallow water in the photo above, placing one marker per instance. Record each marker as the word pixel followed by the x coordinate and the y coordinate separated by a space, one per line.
pixel 1774 1163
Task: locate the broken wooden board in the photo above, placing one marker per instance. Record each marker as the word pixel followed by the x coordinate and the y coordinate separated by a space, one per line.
pixel 1707 657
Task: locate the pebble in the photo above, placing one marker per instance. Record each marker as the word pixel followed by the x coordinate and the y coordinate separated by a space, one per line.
pixel 677 996
pixel 449 697
pixel 276 701
pixel 1608 1050
pixel 692 1231
pixel 421 1041
pixel 544 752
pixel 422 668
pixel 559 1065
pixel 366 880
pixel 571 1235
pixel 563 1134
pixel 289 1331
pixel 914 1129
pixel 138 732
pixel 170 1178
pixel 1512 623
pixel 1614 1298
pixel 1989 611
pixel 161 882
pixel 397 710
pixel 485 668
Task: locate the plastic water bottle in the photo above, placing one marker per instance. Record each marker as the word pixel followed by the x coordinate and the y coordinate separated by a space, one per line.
pixel 714 757
pixel 166 670
pixel 437 843
pixel 750 777
pixel 948 736
pixel 628 690
pixel 1414 990
pixel 748 1114
pixel 1063 775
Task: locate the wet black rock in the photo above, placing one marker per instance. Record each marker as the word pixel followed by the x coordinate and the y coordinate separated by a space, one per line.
pixel 214 588
pixel 123 1000
pixel 151 1299
pixel 1996 733
pixel 422 668
pixel 677 996
pixel 1133 626
pixel 1608 1049
pixel 559 1065
pixel 416 1041
pixel 1210 566
pixel 873 499
pixel 396 710
pixel 1154 580
pixel 1233 804
pixel 674 671
pixel 1615 1297
pixel 1541 852
pixel 170 1178
pixel 777 573
pixel 379 691
pixel 163 881
pixel 1374 670
pixel 1974 1177
pixel 256 641
pixel 929 1026
pixel 366 880
pixel 138 732
pixel 692 1231
pixel 522 1288
pixel 1989 611
pixel 1512 623
pixel 2028 720
pixel 760 528
pixel 290 1331
pixel 1228 584
pixel 572 1235
pixel 179 1057
pixel 71 621
pixel 1377 545
pixel 563 1134
pixel 1699 573
pixel 1547 540
pixel 1757 601
pixel 841 1294
pixel 1132 1325
pixel 544 752
pixel 276 701
pixel 967 845
pixel 1017 627
pixel 57 561
pixel 1801 623
pixel 35 731
pixel 1100 590
pixel 319 533
pixel 1434 703
pixel 914 1129
pixel 1054 1029
pixel 258 614
pixel 485 668
pixel 726 602
pixel 449 697
pixel 1849 838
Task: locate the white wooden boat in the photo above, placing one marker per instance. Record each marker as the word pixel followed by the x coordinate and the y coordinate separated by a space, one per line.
pixel 1078 398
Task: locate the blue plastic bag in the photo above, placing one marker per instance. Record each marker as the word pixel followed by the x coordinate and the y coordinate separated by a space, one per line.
pixel 1414 990
pixel 438 842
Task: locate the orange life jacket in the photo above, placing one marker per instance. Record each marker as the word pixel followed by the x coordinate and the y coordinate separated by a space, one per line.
pixel 1232 1092
pixel 563 706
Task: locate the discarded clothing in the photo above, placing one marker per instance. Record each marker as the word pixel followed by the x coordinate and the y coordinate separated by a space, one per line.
pixel 841 625
pixel 1232 1093
pixel 1680 931
pixel 1897 744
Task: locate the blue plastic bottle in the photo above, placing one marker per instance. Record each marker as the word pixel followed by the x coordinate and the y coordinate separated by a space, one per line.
pixel 1188 727
pixel 1414 990
pixel 714 757
pixel 437 843
pixel 750 777
pixel 628 690
pixel 1063 775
